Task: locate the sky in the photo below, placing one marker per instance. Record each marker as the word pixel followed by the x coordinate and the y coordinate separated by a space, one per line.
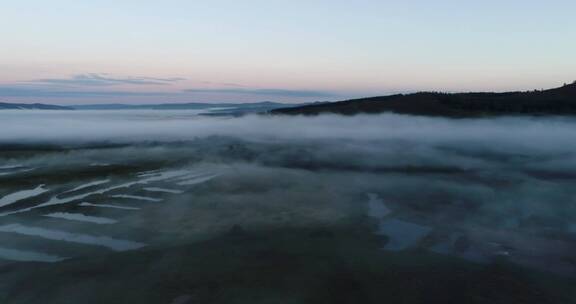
pixel 141 51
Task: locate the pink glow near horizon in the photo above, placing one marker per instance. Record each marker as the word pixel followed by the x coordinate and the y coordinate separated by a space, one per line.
pixel 71 52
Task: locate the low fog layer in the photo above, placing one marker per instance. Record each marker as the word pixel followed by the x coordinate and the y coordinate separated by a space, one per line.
pixel 387 139
pixel 500 181
pixel 148 125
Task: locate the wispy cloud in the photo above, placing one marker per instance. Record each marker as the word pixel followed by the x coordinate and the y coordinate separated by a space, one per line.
pixel 224 84
pixel 100 85
pixel 40 92
pixel 267 92
pixel 85 86
pixel 95 79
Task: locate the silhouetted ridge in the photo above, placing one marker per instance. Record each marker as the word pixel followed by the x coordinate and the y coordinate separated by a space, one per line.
pixel 558 101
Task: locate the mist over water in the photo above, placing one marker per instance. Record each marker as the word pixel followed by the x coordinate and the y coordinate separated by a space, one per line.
pixel 536 155
pixel 148 125
pixel 473 190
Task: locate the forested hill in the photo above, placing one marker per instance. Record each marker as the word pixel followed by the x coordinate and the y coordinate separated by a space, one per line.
pixel 558 101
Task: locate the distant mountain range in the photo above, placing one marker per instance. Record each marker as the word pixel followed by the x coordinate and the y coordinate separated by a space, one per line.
pixel 180 106
pixel 211 108
pixel 31 106
pixel 558 101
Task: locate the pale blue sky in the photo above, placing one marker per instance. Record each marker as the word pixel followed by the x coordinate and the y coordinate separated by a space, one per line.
pixel 66 51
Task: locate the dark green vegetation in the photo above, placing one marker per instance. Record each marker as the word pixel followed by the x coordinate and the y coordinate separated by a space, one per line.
pixel 285 224
pixel 329 265
pixel 558 101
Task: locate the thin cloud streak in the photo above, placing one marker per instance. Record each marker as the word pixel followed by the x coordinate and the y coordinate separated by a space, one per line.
pixel 42 92
pixel 95 79
pixel 267 92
